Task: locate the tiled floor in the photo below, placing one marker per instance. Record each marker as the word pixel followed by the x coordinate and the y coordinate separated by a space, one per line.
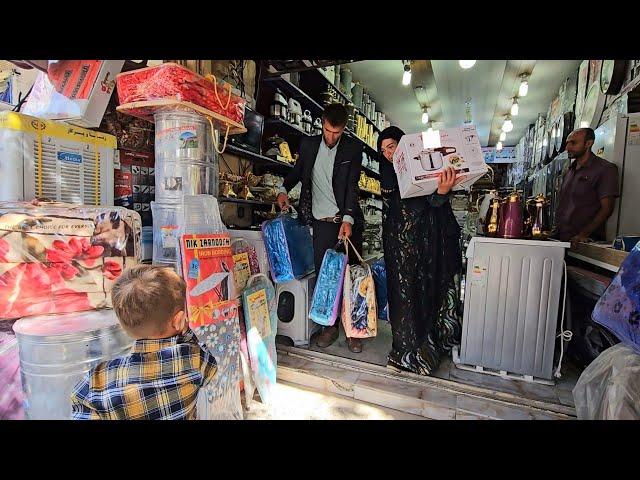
pixel 375 352
pixel 295 402
pixel 423 396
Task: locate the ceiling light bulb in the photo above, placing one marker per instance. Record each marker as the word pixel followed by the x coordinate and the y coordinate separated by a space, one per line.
pixel 425 116
pixel 524 87
pixel 465 64
pixel 503 136
pixel 499 146
pixel 507 126
pixel 406 76
pixel 514 108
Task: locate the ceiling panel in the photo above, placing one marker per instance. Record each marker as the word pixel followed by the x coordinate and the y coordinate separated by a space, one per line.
pixel 489 83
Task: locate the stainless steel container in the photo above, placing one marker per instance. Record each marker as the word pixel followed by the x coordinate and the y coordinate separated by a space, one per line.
pixel 165 232
pixel 174 179
pixel 345 82
pixel 56 351
pixel 183 136
pixel 356 93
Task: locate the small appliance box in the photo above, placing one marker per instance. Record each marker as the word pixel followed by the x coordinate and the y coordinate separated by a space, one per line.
pixel 76 91
pixel 421 157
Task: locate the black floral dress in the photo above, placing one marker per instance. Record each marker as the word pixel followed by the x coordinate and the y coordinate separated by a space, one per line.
pixel 421 241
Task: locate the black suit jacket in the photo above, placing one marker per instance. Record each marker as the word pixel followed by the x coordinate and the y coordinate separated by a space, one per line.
pixel 346 173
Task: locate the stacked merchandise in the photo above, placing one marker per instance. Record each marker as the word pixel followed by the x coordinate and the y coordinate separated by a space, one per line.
pixel 185 164
pixel 207 266
pixel 76 91
pixel 134 176
pixel 60 258
pixel 58 264
pixel 188 231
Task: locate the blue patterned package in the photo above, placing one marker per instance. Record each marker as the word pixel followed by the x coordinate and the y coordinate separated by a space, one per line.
pixel 327 295
pixel 380 278
pixel 619 307
pixel 260 305
pixel 289 248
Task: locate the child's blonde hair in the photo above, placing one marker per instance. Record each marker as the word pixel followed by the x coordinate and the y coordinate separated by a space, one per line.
pixel 146 298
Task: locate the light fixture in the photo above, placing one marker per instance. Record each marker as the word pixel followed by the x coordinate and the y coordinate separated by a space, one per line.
pixel 466 64
pixel 406 76
pixel 507 126
pixel 503 136
pixel 499 146
pixel 514 107
pixel 425 115
pixel 431 138
pixel 524 85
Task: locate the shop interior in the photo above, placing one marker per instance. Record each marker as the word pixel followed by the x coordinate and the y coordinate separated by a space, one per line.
pixel 522 111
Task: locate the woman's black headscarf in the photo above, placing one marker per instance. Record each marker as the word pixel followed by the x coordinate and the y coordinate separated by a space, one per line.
pixel 388 178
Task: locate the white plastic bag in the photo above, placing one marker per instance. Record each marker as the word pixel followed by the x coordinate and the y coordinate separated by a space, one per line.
pixel 609 389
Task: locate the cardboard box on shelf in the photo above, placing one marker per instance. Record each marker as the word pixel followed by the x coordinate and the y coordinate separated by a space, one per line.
pixel 421 157
pixel 76 91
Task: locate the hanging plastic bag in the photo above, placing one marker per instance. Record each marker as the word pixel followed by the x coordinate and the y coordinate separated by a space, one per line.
pixel 247 384
pixel 359 311
pixel 259 300
pixel 289 248
pixel 609 388
pixel 242 263
pixel 327 295
pixel 379 271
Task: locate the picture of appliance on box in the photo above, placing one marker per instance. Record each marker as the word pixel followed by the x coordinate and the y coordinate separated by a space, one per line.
pixel 421 157
pixel 436 159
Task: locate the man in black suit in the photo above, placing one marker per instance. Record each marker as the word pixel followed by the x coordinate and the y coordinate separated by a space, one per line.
pixel 329 168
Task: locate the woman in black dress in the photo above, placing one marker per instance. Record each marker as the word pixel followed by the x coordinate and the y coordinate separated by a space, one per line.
pixel 421 241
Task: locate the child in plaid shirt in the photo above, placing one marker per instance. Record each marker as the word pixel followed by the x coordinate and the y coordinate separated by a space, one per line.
pixel 161 376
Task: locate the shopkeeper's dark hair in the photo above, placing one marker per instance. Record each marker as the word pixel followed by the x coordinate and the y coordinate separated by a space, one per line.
pixel 335 114
pixel 589 133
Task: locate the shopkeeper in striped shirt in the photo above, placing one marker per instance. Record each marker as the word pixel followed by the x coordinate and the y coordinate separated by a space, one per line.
pixel 161 377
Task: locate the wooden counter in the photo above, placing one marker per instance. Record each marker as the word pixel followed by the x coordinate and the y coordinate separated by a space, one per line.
pixel 599 255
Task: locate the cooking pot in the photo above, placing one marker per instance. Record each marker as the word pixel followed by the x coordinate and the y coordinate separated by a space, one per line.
pixel 432 158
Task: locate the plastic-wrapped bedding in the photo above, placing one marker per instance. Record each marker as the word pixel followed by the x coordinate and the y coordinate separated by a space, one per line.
pixel 289 248
pixel 619 307
pixel 609 388
pixel 260 306
pixel 327 295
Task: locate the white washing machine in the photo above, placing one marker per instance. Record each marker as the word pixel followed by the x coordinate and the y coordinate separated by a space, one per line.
pixel 294 302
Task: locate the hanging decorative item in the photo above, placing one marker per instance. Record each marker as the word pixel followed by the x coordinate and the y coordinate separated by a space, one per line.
pixel 612 76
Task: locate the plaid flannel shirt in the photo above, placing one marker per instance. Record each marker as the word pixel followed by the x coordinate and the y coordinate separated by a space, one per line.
pixel 158 380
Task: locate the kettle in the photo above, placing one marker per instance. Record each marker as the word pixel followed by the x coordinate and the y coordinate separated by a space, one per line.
pixel 492 220
pixel 279 106
pixel 307 122
pixel 317 127
pixel 483 207
pixel 295 112
pixel 511 221
pixel 537 223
